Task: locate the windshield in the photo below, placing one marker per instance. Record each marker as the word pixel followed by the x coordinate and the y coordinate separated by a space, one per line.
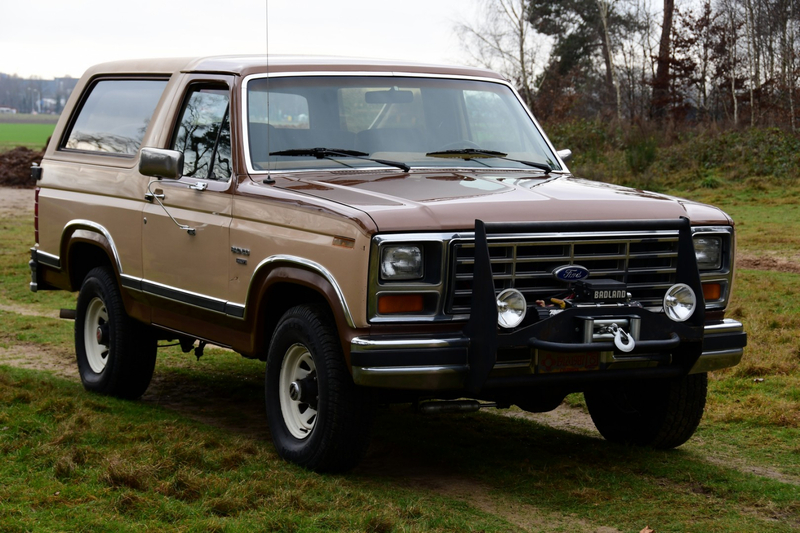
pixel 399 120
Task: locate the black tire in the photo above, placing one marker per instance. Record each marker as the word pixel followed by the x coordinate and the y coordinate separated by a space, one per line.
pixel 660 414
pixel 116 354
pixel 536 401
pixel 327 428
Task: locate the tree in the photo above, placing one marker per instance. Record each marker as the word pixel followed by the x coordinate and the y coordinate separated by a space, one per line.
pixel 582 30
pixel 504 41
pixel 661 81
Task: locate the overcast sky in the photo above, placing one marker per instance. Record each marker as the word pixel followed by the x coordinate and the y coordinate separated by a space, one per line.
pixel 50 38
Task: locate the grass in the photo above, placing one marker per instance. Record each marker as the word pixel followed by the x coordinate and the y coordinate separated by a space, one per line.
pixel 767 215
pixel 195 454
pixel 74 461
pixel 30 135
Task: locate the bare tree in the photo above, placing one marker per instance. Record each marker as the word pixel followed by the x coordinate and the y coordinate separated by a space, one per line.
pixel 789 55
pixel 752 56
pixel 661 81
pixel 608 52
pixel 504 41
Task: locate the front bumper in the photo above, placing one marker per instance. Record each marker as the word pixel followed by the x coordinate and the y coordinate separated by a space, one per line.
pixel 441 363
pixel 484 357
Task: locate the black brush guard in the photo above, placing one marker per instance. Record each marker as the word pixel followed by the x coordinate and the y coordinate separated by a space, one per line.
pixel 557 333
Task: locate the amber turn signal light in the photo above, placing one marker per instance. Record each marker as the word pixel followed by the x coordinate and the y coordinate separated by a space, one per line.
pixel 712 291
pixel 400 303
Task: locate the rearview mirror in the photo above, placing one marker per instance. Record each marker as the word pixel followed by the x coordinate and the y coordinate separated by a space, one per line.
pixel 565 155
pixel 392 96
pixel 160 163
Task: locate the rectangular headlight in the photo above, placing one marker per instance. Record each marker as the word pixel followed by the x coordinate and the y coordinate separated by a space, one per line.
pixel 401 262
pixel 708 250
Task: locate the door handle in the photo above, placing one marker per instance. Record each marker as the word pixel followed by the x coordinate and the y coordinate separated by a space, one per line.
pixel 151 196
pixel 158 195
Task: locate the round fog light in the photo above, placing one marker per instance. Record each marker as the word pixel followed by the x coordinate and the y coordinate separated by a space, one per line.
pixel 680 302
pixel 511 308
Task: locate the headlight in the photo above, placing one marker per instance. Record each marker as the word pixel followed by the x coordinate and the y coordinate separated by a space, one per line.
pixel 402 262
pixel 708 251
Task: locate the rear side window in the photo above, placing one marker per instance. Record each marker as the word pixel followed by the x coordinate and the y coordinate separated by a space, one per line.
pixel 114 117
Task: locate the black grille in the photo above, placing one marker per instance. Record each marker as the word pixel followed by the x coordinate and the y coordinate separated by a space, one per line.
pixel 647 264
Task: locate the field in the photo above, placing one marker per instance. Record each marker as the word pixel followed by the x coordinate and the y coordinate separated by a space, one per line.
pixel 194 454
pixel 30 131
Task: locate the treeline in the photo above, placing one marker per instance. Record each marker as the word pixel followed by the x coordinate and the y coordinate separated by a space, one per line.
pixel 35 95
pixel 727 62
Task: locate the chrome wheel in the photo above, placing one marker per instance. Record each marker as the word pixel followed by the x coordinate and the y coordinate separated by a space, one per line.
pixel 96 335
pixel 298 391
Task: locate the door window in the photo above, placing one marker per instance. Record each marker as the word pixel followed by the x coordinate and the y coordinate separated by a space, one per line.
pixel 204 134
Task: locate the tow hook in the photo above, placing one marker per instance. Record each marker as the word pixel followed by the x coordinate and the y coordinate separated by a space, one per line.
pixel 453 406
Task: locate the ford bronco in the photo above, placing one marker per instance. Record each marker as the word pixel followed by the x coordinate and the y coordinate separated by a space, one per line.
pixel 376 232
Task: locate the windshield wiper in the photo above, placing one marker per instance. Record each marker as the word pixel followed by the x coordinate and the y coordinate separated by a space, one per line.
pixel 327 153
pixel 477 153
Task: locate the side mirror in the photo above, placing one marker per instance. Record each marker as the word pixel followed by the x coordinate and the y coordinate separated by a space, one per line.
pixel 565 155
pixel 160 163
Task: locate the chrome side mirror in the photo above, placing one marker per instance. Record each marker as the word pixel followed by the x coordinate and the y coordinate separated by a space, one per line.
pixel 160 163
pixel 565 155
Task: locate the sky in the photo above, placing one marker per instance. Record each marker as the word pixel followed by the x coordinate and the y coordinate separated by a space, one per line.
pixel 54 38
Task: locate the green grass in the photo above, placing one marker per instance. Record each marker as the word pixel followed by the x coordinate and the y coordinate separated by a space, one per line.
pixel 767 215
pixel 76 461
pixel 29 135
pixel 195 454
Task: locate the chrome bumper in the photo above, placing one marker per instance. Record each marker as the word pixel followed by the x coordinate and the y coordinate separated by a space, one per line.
pixel 723 346
pixel 440 363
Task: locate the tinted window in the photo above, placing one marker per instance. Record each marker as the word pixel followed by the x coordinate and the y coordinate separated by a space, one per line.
pixel 204 135
pixel 115 115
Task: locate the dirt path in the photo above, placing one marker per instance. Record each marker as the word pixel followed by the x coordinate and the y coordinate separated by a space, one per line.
pixel 784 262
pixel 15 201
pixel 248 419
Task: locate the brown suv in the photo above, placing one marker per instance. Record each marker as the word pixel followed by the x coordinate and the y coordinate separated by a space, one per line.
pixel 376 232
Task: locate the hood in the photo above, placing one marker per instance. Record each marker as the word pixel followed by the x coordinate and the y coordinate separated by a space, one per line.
pixel 448 200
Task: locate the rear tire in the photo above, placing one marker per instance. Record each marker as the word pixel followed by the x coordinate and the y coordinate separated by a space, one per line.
pixel 660 414
pixel 116 354
pixel 318 417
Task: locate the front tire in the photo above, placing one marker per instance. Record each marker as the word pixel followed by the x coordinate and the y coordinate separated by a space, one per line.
pixel 660 414
pixel 317 416
pixel 116 355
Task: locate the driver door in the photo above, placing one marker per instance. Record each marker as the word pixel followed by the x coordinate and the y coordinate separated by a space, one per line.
pixel 188 268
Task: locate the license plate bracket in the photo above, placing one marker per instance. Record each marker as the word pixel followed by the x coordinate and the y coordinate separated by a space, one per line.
pixel 557 362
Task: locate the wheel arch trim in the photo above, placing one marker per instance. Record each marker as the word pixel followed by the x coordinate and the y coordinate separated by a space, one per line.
pixel 305 264
pixel 73 227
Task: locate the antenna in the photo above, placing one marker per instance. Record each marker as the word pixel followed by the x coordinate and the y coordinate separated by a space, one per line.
pixel 266 4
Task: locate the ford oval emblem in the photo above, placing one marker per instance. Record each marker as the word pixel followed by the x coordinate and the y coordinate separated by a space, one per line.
pixel 571 273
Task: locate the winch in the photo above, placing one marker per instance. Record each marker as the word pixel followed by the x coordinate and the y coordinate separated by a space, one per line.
pixel 601 291
pixel 624 331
